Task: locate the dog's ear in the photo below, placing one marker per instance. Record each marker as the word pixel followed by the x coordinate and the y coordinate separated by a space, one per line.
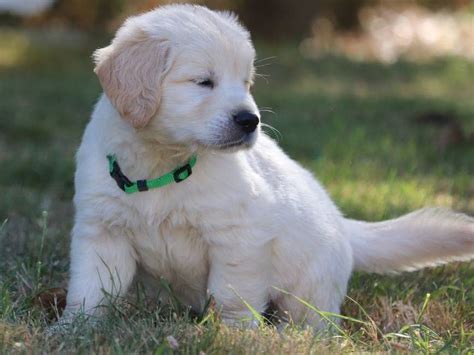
pixel 131 72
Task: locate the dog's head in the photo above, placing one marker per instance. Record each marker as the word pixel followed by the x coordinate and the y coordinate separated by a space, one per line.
pixel 184 73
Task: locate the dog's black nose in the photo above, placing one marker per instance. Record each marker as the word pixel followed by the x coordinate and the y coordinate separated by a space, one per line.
pixel 248 121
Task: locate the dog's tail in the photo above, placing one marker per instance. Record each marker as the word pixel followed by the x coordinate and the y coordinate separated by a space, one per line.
pixel 427 237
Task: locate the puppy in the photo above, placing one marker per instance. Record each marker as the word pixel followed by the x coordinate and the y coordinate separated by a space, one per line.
pixel 175 176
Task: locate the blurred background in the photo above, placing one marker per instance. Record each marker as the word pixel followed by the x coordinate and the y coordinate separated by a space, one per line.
pixel 376 97
pixel 363 29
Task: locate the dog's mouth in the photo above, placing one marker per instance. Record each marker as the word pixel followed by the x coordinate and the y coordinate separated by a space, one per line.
pixel 243 142
pixel 229 144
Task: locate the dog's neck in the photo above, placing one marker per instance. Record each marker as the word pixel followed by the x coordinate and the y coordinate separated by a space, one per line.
pixel 141 155
pixel 142 159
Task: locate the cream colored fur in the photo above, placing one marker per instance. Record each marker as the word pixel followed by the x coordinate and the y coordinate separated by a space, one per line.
pixel 249 220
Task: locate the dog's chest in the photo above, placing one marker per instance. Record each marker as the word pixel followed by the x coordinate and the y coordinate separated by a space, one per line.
pixel 174 250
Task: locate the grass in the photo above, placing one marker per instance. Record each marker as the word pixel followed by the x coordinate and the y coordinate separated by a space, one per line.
pixel 349 122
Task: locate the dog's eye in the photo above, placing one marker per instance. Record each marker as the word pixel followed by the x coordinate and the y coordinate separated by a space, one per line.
pixel 208 83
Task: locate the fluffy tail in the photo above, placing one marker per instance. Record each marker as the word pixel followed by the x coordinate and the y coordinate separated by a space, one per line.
pixel 423 238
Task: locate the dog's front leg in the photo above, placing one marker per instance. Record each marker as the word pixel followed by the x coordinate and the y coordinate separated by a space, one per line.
pixel 239 280
pixel 102 268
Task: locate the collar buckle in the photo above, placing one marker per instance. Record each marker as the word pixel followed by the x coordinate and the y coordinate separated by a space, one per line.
pixel 119 177
pixel 182 173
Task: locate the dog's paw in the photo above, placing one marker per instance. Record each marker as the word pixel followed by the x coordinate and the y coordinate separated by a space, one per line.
pixel 245 323
pixel 62 326
pixel 69 323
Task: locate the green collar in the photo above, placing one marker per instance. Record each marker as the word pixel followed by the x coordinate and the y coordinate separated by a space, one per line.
pixel 177 175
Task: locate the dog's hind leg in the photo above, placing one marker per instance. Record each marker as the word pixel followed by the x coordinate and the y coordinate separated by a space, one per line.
pixel 315 297
pixel 318 310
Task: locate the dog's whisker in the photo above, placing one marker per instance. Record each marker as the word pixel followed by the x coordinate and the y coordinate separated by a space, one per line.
pixel 263 76
pixel 263 65
pixel 272 113
pixel 264 59
pixel 275 131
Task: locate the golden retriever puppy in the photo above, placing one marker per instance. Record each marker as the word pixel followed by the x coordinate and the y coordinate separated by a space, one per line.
pixel 175 176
